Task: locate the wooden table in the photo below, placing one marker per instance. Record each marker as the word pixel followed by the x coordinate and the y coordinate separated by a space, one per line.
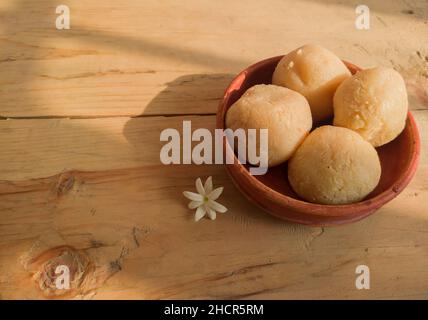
pixel 81 114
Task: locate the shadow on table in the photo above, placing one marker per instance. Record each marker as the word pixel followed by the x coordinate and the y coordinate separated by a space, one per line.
pixel 193 97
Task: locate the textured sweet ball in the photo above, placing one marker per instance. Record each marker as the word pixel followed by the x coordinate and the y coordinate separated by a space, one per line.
pixel 373 103
pixel 315 72
pixel 334 166
pixel 285 113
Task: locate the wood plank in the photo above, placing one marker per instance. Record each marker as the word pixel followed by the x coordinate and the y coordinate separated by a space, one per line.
pixel 115 202
pixel 38 148
pixel 155 58
pixel 135 226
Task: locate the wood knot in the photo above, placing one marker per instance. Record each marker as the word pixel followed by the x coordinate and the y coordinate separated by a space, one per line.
pixel 65 183
pixel 61 271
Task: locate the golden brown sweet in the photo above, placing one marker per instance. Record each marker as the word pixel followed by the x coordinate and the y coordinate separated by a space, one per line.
pixel 315 72
pixel 334 165
pixel 285 113
pixel 373 103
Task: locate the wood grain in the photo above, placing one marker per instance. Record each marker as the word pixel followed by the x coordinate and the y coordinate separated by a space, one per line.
pixel 156 57
pixel 81 112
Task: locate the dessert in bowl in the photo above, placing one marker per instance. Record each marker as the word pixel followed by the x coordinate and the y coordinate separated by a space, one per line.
pixel 273 192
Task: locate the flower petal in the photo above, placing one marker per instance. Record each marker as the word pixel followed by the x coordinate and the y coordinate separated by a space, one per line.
pixel 208 186
pixel 200 213
pixel 213 195
pixel 200 187
pixel 217 206
pixel 193 196
pixel 194 204
pixel 211 213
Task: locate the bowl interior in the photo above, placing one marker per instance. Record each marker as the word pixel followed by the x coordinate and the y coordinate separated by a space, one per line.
pixel 396 157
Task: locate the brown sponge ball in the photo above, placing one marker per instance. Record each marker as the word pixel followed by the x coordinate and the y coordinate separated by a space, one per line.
pixel 285 113
pixel 315 72
pixel 373 103
pixel 334 166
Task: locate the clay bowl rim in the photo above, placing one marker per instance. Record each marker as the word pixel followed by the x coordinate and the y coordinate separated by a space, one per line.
pixel 359 209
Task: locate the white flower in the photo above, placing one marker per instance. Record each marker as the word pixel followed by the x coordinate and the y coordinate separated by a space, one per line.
pixel 204 201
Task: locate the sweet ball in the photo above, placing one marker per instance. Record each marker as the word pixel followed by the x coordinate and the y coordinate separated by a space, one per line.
pixel 373 103
pixel 334 165
pixel 315 72
pixel 285 113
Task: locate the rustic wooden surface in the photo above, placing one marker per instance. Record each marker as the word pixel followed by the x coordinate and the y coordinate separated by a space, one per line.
pixel 81 113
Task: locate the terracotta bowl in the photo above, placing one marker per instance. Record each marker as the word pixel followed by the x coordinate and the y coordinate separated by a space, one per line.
pixel 272 191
